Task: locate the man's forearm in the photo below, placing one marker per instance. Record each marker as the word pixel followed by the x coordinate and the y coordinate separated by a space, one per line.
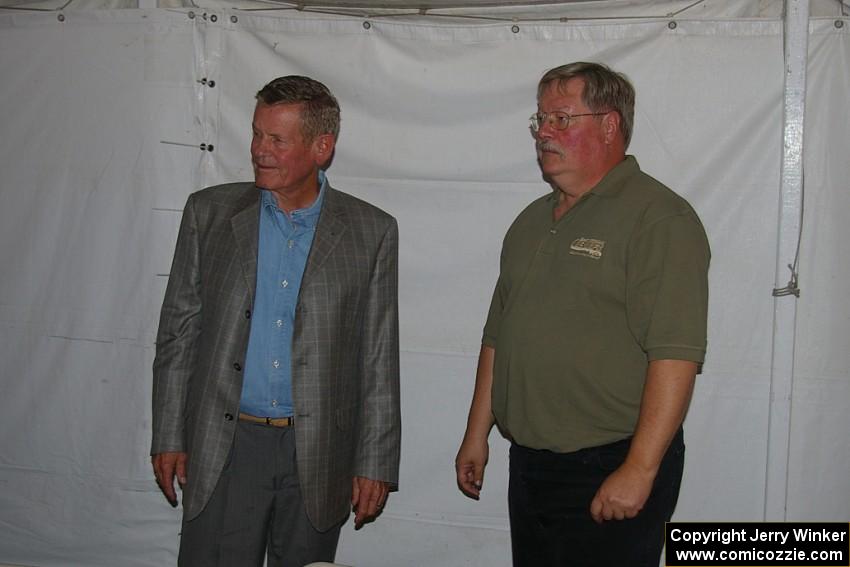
pixel 480 420
pixel 474 451
pixel 666 396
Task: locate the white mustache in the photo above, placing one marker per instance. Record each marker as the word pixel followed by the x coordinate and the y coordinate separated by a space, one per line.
pixel 547 146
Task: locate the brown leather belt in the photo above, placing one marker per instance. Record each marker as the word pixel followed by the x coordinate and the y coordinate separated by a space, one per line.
pixel 272 421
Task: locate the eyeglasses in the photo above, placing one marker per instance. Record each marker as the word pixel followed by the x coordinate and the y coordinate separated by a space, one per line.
pixel 557 120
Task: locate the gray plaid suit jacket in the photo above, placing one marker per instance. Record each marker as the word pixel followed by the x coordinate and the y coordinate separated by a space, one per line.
pixel 345 367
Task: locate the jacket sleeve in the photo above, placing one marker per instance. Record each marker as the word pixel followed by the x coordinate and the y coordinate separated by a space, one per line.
pixel 379 434
pixel 177 338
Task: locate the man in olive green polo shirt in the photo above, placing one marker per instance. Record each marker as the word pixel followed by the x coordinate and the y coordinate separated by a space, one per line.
pixel 596 330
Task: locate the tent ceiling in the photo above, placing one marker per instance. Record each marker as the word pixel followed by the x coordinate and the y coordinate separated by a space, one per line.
pixel 517 9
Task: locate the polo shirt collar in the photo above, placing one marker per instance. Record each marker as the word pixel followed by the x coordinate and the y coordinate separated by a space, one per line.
pixel 612 184
pixel 614 181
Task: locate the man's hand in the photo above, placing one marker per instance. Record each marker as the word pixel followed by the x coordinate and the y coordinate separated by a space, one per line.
pixel 367 499
pixel 165 467
pixel 623 494
pixel 469 466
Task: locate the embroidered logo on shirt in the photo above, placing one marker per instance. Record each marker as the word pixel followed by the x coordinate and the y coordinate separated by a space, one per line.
pixel 590 247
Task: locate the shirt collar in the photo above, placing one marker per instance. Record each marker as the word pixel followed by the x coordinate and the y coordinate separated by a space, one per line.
pixel 612 184
pixel 307 215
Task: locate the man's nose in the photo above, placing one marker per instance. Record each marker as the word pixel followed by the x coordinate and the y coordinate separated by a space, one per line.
pixel 545 131
pixel 259 146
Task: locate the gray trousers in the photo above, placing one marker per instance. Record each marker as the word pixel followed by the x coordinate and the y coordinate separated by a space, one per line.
pixel 256 509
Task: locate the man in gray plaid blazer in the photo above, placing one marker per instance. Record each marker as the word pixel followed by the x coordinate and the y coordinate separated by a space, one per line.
pixel 276 378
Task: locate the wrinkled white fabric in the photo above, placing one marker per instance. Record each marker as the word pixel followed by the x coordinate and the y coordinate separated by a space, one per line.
pixel 103 115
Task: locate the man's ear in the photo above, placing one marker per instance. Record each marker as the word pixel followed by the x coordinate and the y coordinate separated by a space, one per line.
pixel 323 146
pixel 611 126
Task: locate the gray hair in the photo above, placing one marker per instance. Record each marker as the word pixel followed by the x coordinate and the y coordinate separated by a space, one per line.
pixel 319 108
pixel 604 90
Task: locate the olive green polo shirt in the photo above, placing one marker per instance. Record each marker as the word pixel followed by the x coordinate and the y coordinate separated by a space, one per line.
pixel 583 304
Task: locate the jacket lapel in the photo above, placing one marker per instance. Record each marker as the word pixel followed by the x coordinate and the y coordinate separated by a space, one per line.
pixel 332 224
pixel 246 225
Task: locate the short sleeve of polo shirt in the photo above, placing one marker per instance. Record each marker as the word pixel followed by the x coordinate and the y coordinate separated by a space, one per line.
pixel 667 287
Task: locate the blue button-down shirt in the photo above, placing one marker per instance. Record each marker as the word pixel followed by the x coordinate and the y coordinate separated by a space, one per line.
pixel 284 244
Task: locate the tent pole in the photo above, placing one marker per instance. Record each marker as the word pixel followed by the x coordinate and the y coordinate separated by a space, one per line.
pixel 795 36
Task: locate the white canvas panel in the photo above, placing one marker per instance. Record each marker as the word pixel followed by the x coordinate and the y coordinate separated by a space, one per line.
pixel 85 104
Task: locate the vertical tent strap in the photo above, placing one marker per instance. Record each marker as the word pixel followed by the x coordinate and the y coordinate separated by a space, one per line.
pixel 795 39
pixel 207 34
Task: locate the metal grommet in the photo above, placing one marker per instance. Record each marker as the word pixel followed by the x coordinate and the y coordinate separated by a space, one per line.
pixel 515 28
pixel 213 18
pixel 672 25
pixel 839 24
pixel 61 17
pixel 211 84
pixel 191 15
pixel 367 25
pixel 233 19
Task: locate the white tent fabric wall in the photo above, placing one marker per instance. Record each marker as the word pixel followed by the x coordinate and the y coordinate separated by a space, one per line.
pixel 93 180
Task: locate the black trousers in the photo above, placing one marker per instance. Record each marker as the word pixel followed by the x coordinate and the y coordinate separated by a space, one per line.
pixel 549 497
pixel 256 511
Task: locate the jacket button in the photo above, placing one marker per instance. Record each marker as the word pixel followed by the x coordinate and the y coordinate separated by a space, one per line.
pixel 228 416
pixel 247 313
pixel 237 366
